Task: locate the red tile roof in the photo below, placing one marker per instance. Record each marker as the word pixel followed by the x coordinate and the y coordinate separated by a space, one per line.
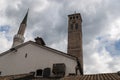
pixel 106 76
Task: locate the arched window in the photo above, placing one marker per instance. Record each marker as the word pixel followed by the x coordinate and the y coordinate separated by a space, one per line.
pixel 70 18
pixel 76 17
pixel 46 72
pixel 71 26
pixel 76 26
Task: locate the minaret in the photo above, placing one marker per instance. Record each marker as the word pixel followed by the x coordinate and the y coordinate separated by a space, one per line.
pixel 19 37
pixel 75 37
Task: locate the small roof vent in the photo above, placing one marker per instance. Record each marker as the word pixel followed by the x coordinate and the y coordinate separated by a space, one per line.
pixel 40 41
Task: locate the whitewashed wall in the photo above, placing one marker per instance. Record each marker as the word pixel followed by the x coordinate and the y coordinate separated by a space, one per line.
pixel 37 58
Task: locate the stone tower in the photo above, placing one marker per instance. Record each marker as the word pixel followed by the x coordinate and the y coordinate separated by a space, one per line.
pixel 75 37
pixel 19 37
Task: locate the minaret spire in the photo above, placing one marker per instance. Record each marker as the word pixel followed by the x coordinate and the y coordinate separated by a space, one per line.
pixel 25 18
pixel 19 37
pixel 23 25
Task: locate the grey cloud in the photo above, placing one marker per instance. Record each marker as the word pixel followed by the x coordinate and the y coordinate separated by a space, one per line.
pixel 51 22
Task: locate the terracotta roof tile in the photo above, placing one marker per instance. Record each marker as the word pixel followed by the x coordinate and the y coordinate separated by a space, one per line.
pixel 106 76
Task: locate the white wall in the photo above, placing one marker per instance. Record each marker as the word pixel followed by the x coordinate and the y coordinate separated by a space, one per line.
pixel 37 58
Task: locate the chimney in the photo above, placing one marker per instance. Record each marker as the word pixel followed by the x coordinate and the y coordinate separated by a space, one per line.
pixel 40 41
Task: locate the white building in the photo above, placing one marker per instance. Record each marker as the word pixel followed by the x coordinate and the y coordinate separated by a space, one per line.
pixel 34 57
pixel 31 56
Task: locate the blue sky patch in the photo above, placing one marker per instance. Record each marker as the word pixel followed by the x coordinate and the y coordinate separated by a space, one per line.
pixel 113 47
pixel 117 45
pixel 4 28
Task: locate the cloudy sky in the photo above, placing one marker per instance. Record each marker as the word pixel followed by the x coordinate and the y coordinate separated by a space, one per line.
pixel 48 19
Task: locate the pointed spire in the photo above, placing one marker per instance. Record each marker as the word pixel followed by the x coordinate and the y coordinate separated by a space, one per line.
pixel 19 37
pixel 25 18
pixel 23 25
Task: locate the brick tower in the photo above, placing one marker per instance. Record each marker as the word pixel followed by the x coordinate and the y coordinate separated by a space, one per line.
pixel 75 37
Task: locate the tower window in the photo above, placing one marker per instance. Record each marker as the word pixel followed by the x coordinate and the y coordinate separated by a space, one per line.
pixel 76 17
pixel 70 18
pixel 72 26
pixel 76 26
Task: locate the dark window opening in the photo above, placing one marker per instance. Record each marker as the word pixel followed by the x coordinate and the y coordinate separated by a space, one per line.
pixel 59 69
pixel 70 18
pixel 76 26
pixel 26 55
pixel 76 17
pixel 72 26
pixel 46 72
pixel 0 72
pixel 39 72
